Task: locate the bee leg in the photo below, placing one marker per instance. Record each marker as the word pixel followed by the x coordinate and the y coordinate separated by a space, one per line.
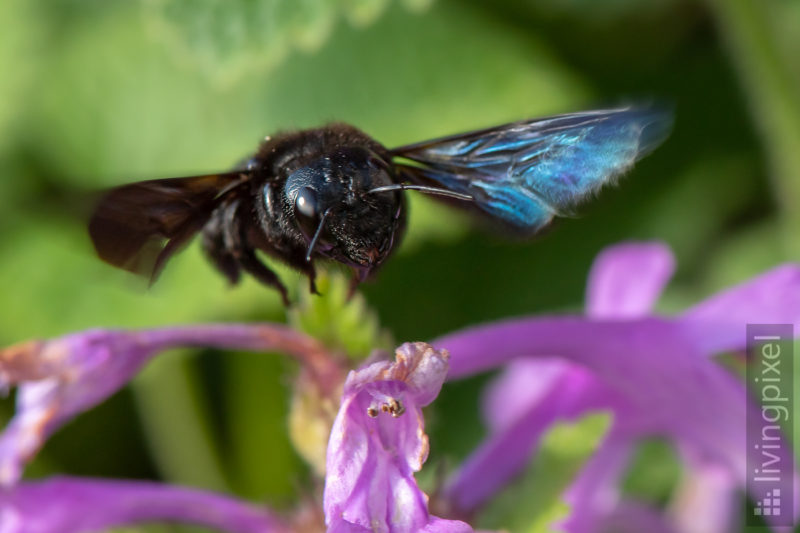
pixel 299 263
pixel 215 246
pixel 351 290
pixel 307 269
pixel 355 281
pixel 312 276
pixel 253 266
pixel 233 247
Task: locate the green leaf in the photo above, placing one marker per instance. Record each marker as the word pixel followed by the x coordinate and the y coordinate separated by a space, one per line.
pixel 67 288
pixel 363 12
pixel 681 213
pixel 598 12
pixel 534 502
pixel 21 30
pixel 653 473
pixel 742 255
pixel 430 222
pixel 769 78
pixel 228 38
pixel 417 5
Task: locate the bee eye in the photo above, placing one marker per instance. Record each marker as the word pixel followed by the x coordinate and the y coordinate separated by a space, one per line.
pixel 305 204
pixel 306 210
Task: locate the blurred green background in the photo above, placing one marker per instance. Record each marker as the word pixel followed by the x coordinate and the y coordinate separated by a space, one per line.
pixel 95 93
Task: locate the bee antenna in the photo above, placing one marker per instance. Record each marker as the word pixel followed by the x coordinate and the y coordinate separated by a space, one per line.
pixel 316 235
pixel 423 188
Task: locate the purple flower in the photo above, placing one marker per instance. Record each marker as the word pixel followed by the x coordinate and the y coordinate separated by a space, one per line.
pixel 60 378
pixel 654 374
pixel 73 505
pixel 378 442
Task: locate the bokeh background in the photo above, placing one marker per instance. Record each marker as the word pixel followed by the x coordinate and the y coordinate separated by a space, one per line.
pixel 95 93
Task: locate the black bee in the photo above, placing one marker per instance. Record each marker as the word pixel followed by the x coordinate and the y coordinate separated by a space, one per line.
pixel 335 193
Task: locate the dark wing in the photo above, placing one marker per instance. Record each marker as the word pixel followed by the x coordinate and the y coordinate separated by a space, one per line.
pixel 525 173
pixel 139 226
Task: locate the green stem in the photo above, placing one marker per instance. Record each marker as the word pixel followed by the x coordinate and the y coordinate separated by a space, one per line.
pixel 774 98
pixel 176 424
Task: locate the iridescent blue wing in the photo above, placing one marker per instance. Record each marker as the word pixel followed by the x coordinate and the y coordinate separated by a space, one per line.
pixel 525 173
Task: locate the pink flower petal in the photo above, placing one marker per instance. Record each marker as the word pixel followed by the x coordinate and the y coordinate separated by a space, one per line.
pixel 680 395
pixel 378 442
pixel 594 494
pixel 718 323
pixel 75 505
pixel 60 378
pixel 627 279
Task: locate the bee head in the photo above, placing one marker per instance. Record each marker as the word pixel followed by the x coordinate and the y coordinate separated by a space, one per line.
pixel 331 204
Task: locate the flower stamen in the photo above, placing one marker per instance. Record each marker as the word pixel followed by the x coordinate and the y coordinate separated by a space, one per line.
pixel 391 405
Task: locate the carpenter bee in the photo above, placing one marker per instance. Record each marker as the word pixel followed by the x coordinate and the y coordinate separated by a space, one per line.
pixel 335 193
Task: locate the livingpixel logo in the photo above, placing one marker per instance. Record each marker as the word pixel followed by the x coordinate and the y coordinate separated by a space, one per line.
pixel 770 459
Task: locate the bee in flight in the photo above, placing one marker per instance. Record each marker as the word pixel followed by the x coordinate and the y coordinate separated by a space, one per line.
pixel 335 193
